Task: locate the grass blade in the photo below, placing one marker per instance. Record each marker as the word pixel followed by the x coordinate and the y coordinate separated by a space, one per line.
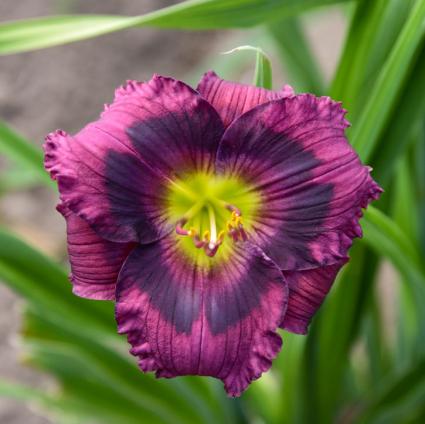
pixel 331 336
pixel 263 67
pixel 395 391
pixel 25 35
pixel 17 178
pixel 296 55
pixel 47 287
pixel 386 237
pixel 373 30
pixel 403 127
pixel 23 152
pixel 392 77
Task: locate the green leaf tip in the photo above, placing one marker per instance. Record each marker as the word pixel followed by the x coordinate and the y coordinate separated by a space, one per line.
pixel 263 67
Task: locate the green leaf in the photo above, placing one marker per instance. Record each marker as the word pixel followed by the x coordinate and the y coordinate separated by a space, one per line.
pixel 45 285
pixel 20 392
pixel 391 79
pixel 373 30
pixel 386 238
pixel 411 315
pixel 388 28
pixel 114 367
pixel 84 379
pixel 417 162
pixel 405 126
pixel 25 35
pixel 227 67
pixel 395 390
pixel 93 401
pixel 362 27
pixel 88 329
pixel 17 178
pixel 296 55
pixel 336 327
pixel 409 325
pixel 405 212
pixel 23 152
pixel 290 363
pixel 262 397
pixel 376 341
pixel 263 67
pixel 333 332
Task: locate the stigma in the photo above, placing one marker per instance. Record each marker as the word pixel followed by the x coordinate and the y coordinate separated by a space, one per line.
pixel 208 225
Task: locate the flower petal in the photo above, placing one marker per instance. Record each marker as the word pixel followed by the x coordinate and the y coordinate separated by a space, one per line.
pixel 294 153
pixel 232 99
pixel 95 263
pixel 113 173
pixel 169 124
pixel 113 191
pixel 184 319
pixel 307 291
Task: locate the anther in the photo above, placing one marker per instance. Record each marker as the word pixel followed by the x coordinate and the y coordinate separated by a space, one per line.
pixel 234 234
pixel 198 242
pixel 192 232
pixel 243 234
pixel 179 228
pixel 211 239
pixel 206 236
pixel 233 209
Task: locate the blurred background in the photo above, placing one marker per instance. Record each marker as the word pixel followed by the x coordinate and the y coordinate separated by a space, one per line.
pixel 66 87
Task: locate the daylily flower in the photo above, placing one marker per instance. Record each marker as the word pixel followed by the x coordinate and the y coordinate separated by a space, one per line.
pixel 211 217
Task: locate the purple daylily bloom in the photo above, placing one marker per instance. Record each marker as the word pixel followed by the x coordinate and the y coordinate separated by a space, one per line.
pixel 211 217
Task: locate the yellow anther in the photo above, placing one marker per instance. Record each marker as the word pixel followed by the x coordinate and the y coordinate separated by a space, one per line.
pixel 229 226
pixel 192 232
pixel 206 235
pixel 220 236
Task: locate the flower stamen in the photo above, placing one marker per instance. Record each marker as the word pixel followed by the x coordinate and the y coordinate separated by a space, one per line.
pixel 179 227
pixel 206 236
pixel 205 210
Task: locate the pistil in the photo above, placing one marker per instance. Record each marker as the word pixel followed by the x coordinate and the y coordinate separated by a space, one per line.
pixel 213 227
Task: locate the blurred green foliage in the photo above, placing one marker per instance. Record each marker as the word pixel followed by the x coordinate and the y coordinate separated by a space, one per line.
pixel 346 370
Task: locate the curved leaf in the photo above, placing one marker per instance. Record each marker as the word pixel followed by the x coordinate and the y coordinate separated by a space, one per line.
pixel 263 67
pixel 386 237
pixel 23 152
pixel 25 35
pixel 296 55
pixel 391 79
pixel 45 285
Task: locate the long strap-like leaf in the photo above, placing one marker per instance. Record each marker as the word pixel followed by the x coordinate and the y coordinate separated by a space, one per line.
pixel 25 35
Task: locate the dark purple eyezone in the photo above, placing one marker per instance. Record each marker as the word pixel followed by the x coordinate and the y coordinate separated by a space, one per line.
pixel 211 217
